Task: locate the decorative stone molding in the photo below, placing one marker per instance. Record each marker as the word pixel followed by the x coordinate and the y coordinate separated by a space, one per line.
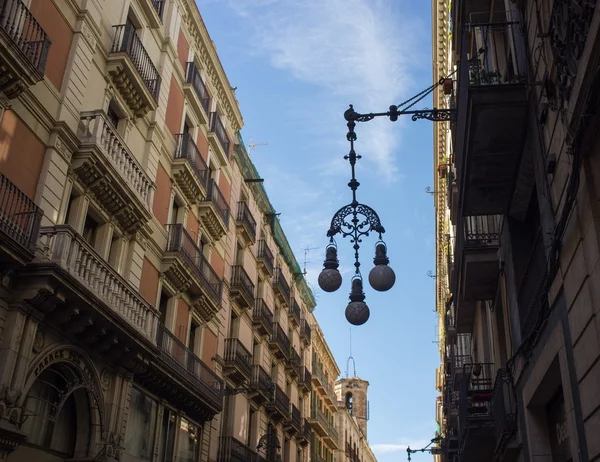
pixel 87 32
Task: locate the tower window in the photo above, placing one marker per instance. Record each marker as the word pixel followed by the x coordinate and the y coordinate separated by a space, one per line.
pixel 349 402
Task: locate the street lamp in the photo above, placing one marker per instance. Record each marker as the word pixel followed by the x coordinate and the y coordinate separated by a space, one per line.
pixel 357 220
pixel 269 443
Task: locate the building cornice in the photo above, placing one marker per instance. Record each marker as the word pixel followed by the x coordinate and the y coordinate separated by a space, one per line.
pixel 214 69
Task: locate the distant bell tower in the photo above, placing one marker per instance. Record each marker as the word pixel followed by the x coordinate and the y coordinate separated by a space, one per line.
pixel 352 392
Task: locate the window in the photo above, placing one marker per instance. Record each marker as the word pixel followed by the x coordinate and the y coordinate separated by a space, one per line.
pixel 274 372
pixel 194 331
pixel 162 306
pixel 188 446
pixel 113 114
pixel 349 402
pixel 168 436
pixel 175 212
pixel 90 229
pixel 139 438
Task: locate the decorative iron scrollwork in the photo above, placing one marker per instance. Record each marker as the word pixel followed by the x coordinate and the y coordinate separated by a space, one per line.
pixel 356 227
pixel 435 115
pixel 569 27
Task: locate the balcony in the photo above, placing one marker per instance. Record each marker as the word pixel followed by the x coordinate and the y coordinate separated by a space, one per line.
pixel 477 263
pixel 293 364
pixel 186 269
pixel 105 297
pixel 262 317
pixel 491 116
pixel 190 171
pixel 19 225
pixel 218 139
pixel 318 378
pixel 196 92
pixel 305 332
pixel 476 422
pixel 331 437
pixel 304 380
pixel 214 211
pixel 196 388
pixel 278 406
pixel 319 421
pixel 154 10
pixel 132 71
pixel 245 224
pixel 265 258
pixel 316 458
pixel 105 165
pixel 241 288
pixel 293 424
pixel 281 287
pixel 304 437
pixel 232 450
pixel 262 385
pixel 238 360
pixel 24 48
pixel 279 342
pixel 460 354
pixel 294 312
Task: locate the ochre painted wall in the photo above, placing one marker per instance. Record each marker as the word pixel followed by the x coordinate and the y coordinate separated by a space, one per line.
pixel 149 282
pixel 162 196
pixel 174 108
pixel 61 35
pixel 21 154
pixel 183 49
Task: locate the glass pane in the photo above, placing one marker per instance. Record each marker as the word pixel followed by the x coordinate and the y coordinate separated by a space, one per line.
pixel 139 439
pixel 168 436
pixel 188 447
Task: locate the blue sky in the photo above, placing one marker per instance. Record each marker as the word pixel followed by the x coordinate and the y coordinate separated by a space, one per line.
pixel 297 64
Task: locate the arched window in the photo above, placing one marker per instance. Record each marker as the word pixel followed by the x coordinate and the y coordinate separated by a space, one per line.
pixel 349 402
pixel 57 412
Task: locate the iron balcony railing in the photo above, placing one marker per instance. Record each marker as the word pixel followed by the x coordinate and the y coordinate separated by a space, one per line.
pixel 482 231
pixel 279 338
pixel 127 41
pixel 215 196
pixel 282 286
pixel 317 414
pixel 216 126
pixel 181 358
pixel 304 378
pixel 264 254
pixel 262 315
pixel 332 432
pixel 20 218
pixel 504 407
pixel 475 396
pixel 306 431
pixel 279 401
pixel 295 418
pixel 232 450
pixel 261 380
pixel 238 356
pixel 159 6
pixel 294 363
pixel 187 149
pixel 306 331
pixel 179 241
pixel 192 76
pixel 25 32
pixel 295 311
pixel 317 458
pixel 245 219
pixel 241 282
pixel 532 297
pixel 498 53
pixel 320 376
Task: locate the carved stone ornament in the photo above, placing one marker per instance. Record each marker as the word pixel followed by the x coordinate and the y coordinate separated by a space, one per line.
pixel 569 28
pixel 89 35
pixel 38 341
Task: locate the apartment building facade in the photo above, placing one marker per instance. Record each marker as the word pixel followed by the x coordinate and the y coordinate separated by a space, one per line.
pixel 151 308
pixel 517 231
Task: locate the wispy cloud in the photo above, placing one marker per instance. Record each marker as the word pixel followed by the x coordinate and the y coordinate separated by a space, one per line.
pixel 385 448
pixel 351 50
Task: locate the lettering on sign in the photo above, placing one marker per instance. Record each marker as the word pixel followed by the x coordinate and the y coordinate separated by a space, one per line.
pixel 64 355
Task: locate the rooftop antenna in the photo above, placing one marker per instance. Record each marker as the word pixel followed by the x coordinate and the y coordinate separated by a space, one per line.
pixel 350 358
pixel 306 250
pixel 252 146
